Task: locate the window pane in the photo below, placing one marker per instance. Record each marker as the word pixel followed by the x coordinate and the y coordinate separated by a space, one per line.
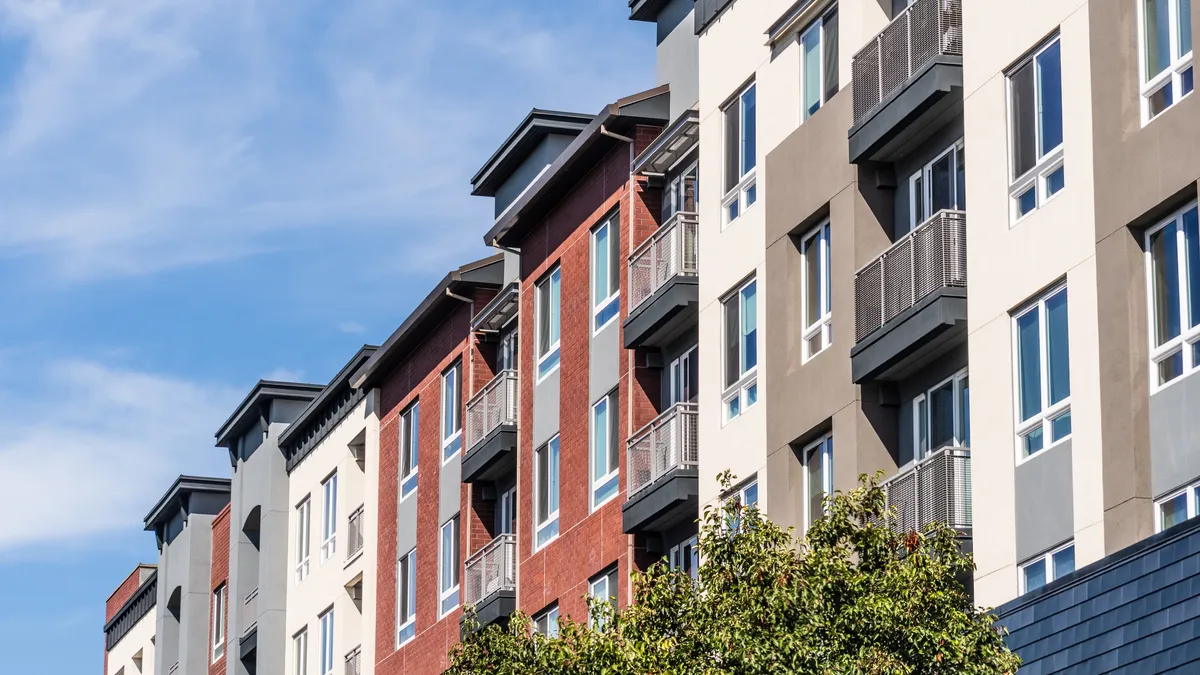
pixel 543 318
pixel 1056 180
pixel 751 195
pixel 964 413
pixel 941 184
pixel 1187 81
pixel 1157 32
pixel 1170 367
pixel 1060 427
pixel 960 181
pixel 749 327
pixel 1173 511
pixel 553 475
pixel 1032 441
pixel 1023 109
pixel 830 34
pixel 816 485
pixel 1049 67
pixel 749 148
pixel 827 276
pixel 750 495
pixel 1029 364
pixel 543 482
pixel 1027 201
pixel 922 421
pixel 1164 260
pixel 1185 26
pixel 1035 575
pixel 1162 99
pixel 600 268
pixel 941 414
pixel 600 440
pixel 555 282
pixel 811 43
pixel 751 395
pixel 1058 347
pixel 812 283
pixel 1191 238
pixel 732 138
pixel 920 205
pixel 1064 562
pixel 732 343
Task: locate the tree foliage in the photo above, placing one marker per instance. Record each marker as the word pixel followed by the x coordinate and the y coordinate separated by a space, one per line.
pixel 854 597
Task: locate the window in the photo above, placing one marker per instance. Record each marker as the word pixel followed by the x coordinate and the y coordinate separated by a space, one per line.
pixel 745 497
pixel 606 287
pixel 685 376
pixel 218 622
pixel 602 589
pixel 506 512
pixel 545 475
pixel 682 193
pixel 300 652
pixel 548 303
pixel 303 534
pixel 327 643
pixel 1166 54
pixel 940 185
pixel 818 469
pixel 406 597
pixel 685 558
pixel 941 416
pixel 740 155
pixel 815 292
pixel 1177 507
pixel 741 349
pixel 1173 267
pixel 448 584
pixel 329 518
pixel 1040 337
pixel 408 449
pixel 819 73
pixel 1047 567
pixel 506 352
pixel 546 623
pixel 605 462
pixel 451 411
pixel 1035 116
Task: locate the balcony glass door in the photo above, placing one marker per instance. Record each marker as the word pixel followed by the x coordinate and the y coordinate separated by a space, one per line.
pixel 942 416
pixel 939 185
pixel 684 378
pixel 681 192
pixel 506 352
pixel 506 512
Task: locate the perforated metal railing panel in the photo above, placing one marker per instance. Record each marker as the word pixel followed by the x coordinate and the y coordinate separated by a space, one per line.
pixel 669 442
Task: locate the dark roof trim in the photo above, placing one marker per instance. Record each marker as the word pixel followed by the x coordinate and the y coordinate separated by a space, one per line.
pixel 249 412
pixel 485 273
pixel 135 608
pixel 798 15
pixel 324 413
pixel 645 10
pixel 537 125
pixel 671 145
pixel 174 499
pixel 648 107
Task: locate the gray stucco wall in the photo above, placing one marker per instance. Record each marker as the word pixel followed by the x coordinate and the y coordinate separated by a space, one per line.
pixel 604 360
pixel 678 57
pixel 1045 505
pixel 185 563
pixel 918 384
pixel 1174 426
pixel 541 156
pixel 545 407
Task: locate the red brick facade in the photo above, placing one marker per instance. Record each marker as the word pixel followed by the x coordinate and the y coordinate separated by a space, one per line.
pixel 121 596
pixel 219 576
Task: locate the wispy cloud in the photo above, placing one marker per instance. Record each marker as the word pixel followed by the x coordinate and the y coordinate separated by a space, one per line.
pixel 352 327
pixel 285 375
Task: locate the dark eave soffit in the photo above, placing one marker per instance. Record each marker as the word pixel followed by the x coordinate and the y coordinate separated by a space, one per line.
pixel 645 10
pixel 339 382
pixel 170 503
pixel 523 140
pixel 248 411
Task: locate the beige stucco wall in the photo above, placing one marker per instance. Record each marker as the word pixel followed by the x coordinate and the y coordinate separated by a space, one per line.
pixel 138 642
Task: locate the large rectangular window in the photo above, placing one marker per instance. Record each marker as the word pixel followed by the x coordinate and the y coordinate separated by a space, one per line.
pixel 605 460
pixel 545 476
pixel 1166 54
pixel 819 72
pixel 218 622
pixel 327 656
pixel 449 561
pixel 941 416
pixel 408 449
pixel 815 293
pixel 548 309
pixel 452 411
pixel 300 652
pixel 939 186
pixel 406 597
pixel 1042 343
pixel 1177 507
pixel 1173 268
pixel 818 471
pixel 546 623
pixel 1036 128
pixel 741 349
pixel 685 376
pixel 1047 567
pixel 329 517
pixel 602 589
pixel 303 535
pixel 606 284
pixel 741 153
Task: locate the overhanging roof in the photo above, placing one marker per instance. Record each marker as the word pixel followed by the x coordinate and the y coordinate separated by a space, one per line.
pixel 523 140
pixel 321 410
pixel 177 495
pixel 645 10
pixel 497 313
pixel 648 107
pixel 248 411
pixel 485 273
pixel 671 145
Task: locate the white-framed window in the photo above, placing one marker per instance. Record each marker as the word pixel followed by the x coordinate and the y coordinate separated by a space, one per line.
pixel 1041 342
pixel 545 476
pixel 219 601
pixel 406 597
pixel 741 154
pixel 549 295
pixel 452 411
pixel 506 512
pixel 303 537
pixel 941 416
pixel 1173 281
pixel 327 656
pixel 605 462
pixel 300 652
pixel 329 517
pixel 685 557
pixel 819 70
pixel 741 349
pixel 1177 507
pixel 1047 567
pixel 745 497
pixel 409 448
pixel 818 471
pixel 546 622
pixel 506 351
pixel 603 588
pixel 940 185
pixel 1036 128
pixel 1165 54
pixel 448 564
pixel 685 376
pixel 682 192
pixel 606 274
pixel 815 282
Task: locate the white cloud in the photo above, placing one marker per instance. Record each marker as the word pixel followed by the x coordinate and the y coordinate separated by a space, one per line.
pixel 285 375
pixel 352 327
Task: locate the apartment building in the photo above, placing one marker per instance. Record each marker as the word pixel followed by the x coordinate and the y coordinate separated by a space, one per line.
pixel 129 625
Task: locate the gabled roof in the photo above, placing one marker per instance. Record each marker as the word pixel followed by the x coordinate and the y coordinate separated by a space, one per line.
pixel 177 496
pixel 520 143
pixel 324 412
pixel 249 410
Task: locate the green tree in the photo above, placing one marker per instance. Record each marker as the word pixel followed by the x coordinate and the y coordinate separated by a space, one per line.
pixel 854 597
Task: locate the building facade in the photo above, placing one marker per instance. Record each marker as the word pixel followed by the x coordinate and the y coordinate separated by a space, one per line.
pixel 129 624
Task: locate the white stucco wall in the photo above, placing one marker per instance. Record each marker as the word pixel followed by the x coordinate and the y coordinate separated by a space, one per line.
pixel 139 643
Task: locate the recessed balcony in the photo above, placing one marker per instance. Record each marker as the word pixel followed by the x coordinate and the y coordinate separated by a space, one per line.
pixel 664 283
pixel 936 489
pixel 663 488
pixel 490 581
pixel 491 430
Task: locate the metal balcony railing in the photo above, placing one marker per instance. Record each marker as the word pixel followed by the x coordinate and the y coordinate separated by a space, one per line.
pixel 354 661
pixel 930 257
pixel 928 28
pixel 250 611
pixel 492 568
pixel 494 405
pixel 668 253
pixel 935 490
pixel 355 535
pixel 669 442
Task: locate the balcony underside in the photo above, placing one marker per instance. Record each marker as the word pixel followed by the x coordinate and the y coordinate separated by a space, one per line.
pixel 911 114
pixel 494 609
pixel 492 457
pixel 665 315
pixel 248 644
pixel 913 339
pixel 665 503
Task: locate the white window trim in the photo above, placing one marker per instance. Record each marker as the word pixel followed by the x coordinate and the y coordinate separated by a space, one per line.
pixel 553 351
pixel 738 496
pixel 329 522
pixel 824 444
pixel 401 640
pixel 680 364
pixel 1047 163
pixel 614 281
pixel 739 195
pixel 1188 337
pixel 1173 73
pixel 1193 503
pixel 300 652
pixel 957 379
pixel 303 537
pixel 457 435
pixel 546 615
pixel 406 438
pixel 220 609
pixel 1049 413
pixel 327 641
pixel 823 326
pixel 682 548
pixel 444 593
pixel 613 472
pixel 608 577
pixel 748 180
pixel 917 202
pixel 749 379
pixel 1047 559
pixel 551 517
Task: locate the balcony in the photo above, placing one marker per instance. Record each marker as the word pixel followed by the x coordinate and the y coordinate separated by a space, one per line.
pixel 907 81
pixel 910 304
pixel 490 577
pixel 936 489
pixel 248 644
pixel 491 430
pixel 355 536
pixel 662 489
pixel 354 661
pixel 664 284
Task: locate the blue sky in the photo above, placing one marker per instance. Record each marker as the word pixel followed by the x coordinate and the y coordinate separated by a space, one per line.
pixel 195 195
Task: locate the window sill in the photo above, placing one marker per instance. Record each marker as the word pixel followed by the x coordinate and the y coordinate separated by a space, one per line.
pixel 354 558
pixel 538 547
pixel 550 369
